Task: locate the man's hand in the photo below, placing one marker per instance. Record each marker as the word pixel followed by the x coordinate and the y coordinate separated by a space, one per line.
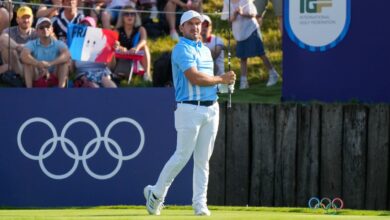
pixel 228 78
pixel 43 64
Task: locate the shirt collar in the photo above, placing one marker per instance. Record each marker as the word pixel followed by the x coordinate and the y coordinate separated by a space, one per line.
pixel 191 42
pixel 51 42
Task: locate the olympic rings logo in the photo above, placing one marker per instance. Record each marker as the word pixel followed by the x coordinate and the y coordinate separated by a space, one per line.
pixel 326 203
pixel 74 152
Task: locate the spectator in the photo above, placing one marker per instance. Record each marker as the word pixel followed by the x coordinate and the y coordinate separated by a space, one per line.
pixel 46 11
pixel 96 11
pixel 110 15
pixel 67 15
pixel 20 35
pixel 247 34
pixel 133 37
pixel 153 8
pixel 45 59
pixel 92 74
pixel 261 6
pixel 170 9
pixel 215 44
pixel 6 14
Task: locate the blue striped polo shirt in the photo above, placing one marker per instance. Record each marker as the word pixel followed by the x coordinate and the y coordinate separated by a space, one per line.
pixel 187 54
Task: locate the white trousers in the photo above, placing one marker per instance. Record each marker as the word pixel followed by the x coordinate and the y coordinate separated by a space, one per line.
pixel 196 128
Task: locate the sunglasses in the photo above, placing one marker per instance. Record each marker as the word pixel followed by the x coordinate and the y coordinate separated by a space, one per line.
pixel 205 24
pixel 132 14
pixel 44 27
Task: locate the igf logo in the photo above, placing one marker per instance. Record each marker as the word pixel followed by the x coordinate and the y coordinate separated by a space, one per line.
pixel 314 6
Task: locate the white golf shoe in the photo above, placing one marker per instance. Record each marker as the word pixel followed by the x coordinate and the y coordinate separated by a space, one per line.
pixel 273 78
pixel 153 204
pixel 201 210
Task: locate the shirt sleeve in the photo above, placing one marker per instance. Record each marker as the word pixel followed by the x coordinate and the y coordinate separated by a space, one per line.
pixel 185 59
pixel 219 42
pixel 61 45
pixel 30 45
pixel 225 10
pixel 251 8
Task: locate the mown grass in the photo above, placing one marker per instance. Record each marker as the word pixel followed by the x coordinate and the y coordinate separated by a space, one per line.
pixel 185 212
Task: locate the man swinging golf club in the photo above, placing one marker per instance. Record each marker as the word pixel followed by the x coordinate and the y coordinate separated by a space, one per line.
pixel 196 116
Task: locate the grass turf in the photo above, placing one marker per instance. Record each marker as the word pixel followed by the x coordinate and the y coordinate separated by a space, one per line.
pixel 185 212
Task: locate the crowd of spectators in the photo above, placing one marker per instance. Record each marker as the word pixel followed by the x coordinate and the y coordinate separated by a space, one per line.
pixel 33 40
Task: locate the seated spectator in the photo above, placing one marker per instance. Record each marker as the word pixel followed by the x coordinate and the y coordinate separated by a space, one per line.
pixel 6 14
pixel 110 15
pixel 152 4
pixel 92 74
pixel 170 9
pixel 45 59
pixel 133 37
pixel 67 15
pixel 215 44
pixel 20 35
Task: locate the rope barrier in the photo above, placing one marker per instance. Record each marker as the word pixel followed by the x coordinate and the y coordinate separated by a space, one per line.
pixel 102 9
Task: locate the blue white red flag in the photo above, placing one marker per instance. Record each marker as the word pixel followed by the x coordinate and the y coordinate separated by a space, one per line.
pixel 91 44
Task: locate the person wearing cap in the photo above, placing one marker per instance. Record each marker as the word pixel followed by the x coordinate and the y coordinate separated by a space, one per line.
pixel 92 74
pixel 196 116
pixel 215 44
pixel 45 58
pixel 20 35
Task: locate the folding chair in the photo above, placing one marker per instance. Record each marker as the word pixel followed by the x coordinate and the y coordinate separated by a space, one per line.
pixel 129 64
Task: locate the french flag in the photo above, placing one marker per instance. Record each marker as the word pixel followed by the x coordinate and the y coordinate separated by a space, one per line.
pixel 91 44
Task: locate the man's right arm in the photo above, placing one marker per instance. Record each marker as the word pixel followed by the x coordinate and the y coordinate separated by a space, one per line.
pixel 27 58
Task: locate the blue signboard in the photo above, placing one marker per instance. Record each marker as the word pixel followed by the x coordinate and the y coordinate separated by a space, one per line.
pixel 82 147
pixel 336 50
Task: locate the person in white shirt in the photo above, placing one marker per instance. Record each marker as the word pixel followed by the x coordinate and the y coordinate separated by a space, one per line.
pixel 215 44
pixel 246 32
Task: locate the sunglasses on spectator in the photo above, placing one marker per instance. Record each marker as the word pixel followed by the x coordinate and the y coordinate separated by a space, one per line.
pixel 44 27
pixel 132 14
pixel 205 24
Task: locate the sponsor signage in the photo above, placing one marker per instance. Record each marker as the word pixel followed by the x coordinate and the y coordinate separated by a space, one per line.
pixel 81 147
pixel 336 51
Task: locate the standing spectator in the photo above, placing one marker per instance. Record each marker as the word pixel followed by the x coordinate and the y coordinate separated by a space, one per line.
pixel 247 34
pixel 67 15
pixel 215 44
pixel 133 37
pixel 45 59
pixel 170 9
pixel 92 74
pixel 196 116
pixel 20 35
pixel 261 6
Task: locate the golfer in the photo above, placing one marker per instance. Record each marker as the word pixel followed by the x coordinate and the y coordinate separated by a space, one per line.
pixel 196 116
